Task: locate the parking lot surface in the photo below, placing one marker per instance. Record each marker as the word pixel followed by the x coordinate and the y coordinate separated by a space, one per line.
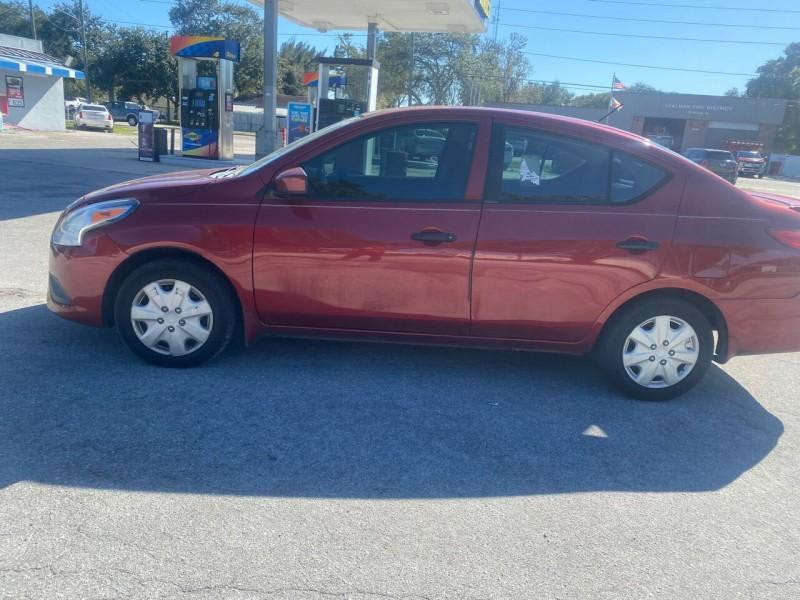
pixel 312 469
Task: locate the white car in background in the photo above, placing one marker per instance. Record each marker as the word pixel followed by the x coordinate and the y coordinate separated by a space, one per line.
pixel 95 116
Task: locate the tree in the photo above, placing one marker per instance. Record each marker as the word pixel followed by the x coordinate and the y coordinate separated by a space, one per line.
pixel 780 78
pixel 15 18
pixel 642 88
pixel 232 21
pixel 294 59
pixel 441 66
pixel 596 100
pixel 733 92
pixel 395 51
pixel 495 71
pixel 135 63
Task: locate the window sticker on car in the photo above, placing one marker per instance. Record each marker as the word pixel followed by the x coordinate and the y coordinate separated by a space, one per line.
pixel 526 175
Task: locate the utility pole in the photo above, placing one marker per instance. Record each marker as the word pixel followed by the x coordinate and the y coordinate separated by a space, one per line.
pixel 496 19
pixel 411 71
pixel 85 53
pixel 266 137
pixel 33 19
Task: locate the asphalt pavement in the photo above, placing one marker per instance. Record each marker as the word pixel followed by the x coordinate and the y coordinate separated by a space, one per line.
pixel 312 469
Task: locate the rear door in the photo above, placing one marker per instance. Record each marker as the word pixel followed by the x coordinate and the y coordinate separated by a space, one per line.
pixel 384 239
pixel 567 227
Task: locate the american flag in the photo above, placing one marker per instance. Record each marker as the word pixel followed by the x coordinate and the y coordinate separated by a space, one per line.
pixel 616 84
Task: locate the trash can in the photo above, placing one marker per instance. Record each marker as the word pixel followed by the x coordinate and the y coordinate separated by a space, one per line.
pixel 775 167
pixel 162 148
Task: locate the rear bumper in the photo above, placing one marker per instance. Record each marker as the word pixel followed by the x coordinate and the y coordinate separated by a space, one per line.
pixel 96 125
pixel 762 326
pixel 78 278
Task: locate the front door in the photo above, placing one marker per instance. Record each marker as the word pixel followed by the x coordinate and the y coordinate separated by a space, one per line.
pixel 567 227
pixel 383 241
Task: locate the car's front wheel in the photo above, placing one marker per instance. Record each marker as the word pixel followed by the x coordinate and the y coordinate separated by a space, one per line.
pixel 132 121
pixel 657 349
pixel 175 313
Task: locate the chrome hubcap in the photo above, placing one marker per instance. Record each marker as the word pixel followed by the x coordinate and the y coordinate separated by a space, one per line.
pixel 171 317
pixel 660 352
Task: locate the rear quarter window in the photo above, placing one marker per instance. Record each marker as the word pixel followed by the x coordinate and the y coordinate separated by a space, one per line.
pixel 719 155
pixel 632 178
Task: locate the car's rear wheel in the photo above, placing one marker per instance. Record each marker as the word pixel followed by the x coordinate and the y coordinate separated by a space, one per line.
pixel 132 121
pixel 657 349
pixel 175 313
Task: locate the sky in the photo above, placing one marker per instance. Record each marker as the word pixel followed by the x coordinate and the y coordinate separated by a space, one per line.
pixel 757 32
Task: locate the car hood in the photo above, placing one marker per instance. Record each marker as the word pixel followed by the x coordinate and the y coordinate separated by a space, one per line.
pixel 177 185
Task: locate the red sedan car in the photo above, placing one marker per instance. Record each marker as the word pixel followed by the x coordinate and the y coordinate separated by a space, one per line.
pixel 588 239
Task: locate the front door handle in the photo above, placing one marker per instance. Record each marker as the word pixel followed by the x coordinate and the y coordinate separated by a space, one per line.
pixel 433 236
pixel 638 245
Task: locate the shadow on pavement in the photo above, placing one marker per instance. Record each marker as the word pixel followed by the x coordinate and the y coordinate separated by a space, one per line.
pixel 326 419
pixel 37 181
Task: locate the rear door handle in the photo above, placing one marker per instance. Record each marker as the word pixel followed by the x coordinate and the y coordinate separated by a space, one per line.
pixel 433 237
pixel 638 245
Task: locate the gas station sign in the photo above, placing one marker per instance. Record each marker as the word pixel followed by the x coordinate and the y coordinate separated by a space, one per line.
pixel 298 115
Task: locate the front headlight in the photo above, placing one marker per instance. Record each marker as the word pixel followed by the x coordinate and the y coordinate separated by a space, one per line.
pixel 72 226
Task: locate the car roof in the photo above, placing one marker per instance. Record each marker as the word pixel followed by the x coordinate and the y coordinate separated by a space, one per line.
pixel 499 112
pixel 599 132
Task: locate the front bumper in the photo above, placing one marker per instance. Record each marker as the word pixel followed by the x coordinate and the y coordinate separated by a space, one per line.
pixel 750 169
pixel 78 278
pixel 762 326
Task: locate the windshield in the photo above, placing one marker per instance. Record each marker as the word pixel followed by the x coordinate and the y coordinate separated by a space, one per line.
pixel 719 155
pixel 93 107
pixel 748 155
pixel 253 167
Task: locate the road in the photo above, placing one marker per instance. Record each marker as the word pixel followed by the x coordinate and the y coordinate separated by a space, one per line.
pixel 310 469
pixel 785 187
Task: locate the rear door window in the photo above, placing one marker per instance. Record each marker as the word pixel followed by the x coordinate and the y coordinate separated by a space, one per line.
pixel 545 168
pixel 718 155
pixel 541 167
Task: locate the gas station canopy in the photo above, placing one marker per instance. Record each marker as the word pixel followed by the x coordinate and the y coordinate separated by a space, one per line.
pixel 453 16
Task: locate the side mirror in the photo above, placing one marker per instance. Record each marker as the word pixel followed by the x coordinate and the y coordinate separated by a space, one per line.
pixel 291 182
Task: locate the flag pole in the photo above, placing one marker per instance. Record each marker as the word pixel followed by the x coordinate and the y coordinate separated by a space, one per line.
pixel 609 113
pixel 610 99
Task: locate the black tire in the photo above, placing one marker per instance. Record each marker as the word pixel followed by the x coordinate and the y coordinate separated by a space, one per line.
pixel 610 348
pixel 216 292
pixel 132 121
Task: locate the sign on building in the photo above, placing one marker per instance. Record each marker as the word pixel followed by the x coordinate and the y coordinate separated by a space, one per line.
pixel 14 91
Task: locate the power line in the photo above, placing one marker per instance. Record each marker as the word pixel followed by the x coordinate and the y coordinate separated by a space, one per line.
pixel 622 64
pixel 647 37
pixel 706 7
pixel 609 18
pixel 140 24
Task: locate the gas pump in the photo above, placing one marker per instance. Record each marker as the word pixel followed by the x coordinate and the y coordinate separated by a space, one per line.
pixel 348 100
pixel 206 101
